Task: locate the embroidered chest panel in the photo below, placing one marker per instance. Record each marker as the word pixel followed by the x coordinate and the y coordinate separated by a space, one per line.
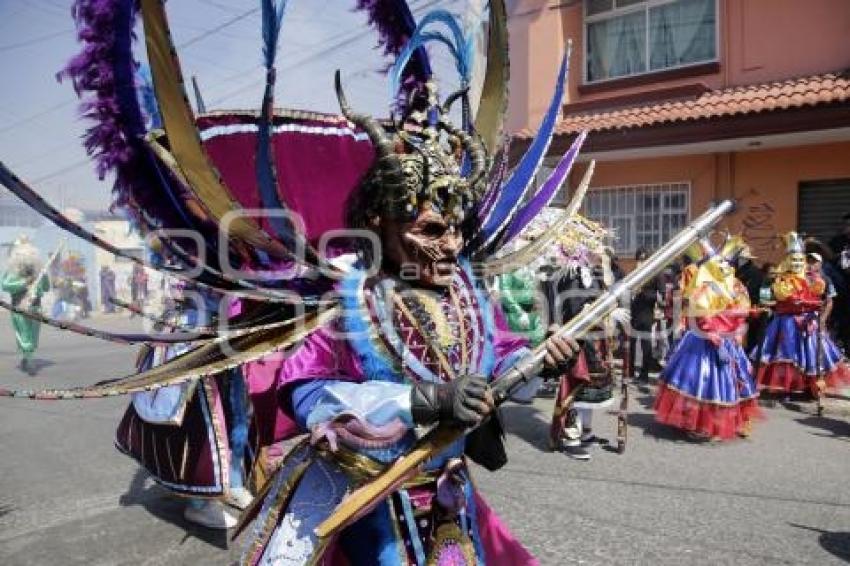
pixel 426 335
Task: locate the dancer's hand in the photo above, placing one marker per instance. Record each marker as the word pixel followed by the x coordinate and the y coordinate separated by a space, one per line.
pixel 464 401
pixel 559 351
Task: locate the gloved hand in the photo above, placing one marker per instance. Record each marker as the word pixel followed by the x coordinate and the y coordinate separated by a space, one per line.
pixel 464 401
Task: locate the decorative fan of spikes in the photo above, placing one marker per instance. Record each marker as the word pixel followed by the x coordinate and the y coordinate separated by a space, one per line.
pixel 209 174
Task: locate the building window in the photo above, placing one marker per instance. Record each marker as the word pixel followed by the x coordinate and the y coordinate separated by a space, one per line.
pixel 632 37
pixel 640 216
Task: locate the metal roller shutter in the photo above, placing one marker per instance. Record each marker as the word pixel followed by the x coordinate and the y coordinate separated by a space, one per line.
pixel 820 207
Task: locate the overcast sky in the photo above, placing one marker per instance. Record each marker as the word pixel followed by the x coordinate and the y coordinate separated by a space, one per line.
pixel 39 128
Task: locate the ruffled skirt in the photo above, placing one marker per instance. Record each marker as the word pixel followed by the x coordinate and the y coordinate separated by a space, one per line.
pixel 788 356
pixel 707 390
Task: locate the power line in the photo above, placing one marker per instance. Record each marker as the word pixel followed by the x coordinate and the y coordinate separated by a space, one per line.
pixel 426 4
pixel 82 162
pixel 34 40
pixel 37 115
pixel 345 42
pixel 219 5
pixel 62 170
pixel 219 27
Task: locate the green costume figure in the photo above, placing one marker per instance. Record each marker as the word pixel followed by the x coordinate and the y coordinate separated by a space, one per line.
pixel 19 282
pixel 518 293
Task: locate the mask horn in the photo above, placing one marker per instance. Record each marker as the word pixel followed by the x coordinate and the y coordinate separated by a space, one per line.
pixel 387 161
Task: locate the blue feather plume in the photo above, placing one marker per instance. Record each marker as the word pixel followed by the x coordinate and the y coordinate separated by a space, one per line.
pixel 460 45
pixel 272 21
pixel 283 227
pixel 512 194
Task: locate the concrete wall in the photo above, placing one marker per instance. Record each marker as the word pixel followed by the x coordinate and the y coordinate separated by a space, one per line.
pixel 765 182
pixel 536 36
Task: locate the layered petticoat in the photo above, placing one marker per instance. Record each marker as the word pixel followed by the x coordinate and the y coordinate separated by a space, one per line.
pixel 707 389
pixel 788 356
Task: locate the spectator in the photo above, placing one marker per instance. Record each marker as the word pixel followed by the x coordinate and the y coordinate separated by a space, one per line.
pixel 616 270
pixel 138 287
pixel 839 322
pixel 107 289
pixel 840 243
pixel 670 309
pixel 643 316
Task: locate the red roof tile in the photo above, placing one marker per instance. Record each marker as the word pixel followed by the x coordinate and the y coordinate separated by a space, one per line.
pixel 794 93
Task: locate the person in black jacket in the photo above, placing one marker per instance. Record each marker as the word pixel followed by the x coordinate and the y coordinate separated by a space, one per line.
pixel 839 322
pixel 840 243
pixel 643 316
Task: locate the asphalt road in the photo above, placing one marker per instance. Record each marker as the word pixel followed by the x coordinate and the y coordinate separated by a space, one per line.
pixel 68 497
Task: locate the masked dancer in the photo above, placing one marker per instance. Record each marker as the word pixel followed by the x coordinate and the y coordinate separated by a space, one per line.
pixel 192 437
pixel 361 308
pixel 26 284
pixel 796 354
pixel 707 388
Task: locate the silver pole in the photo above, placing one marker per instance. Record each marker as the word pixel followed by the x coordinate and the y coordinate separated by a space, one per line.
pixel 579 325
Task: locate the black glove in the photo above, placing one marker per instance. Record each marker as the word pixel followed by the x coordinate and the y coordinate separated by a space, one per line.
pixel 460 401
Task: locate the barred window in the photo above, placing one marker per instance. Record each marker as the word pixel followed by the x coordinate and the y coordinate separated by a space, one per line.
pixel 640 216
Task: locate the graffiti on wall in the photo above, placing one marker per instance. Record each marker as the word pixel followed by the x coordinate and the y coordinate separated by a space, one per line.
pixel 757 225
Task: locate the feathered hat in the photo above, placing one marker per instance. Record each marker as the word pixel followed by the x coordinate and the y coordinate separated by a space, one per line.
pixel 24 256
pixel 793 243
pixel 207 173
pixel 735 247
pixel 700 251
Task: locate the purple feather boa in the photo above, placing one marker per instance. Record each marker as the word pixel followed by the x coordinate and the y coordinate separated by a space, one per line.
pixel 395 24
pixel 93 75
pixel 103 74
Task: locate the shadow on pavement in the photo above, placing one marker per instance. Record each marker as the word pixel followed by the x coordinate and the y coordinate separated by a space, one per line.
pixel 836 543
pixel 40 363
pixel 650 427
pixel 36 365
pixel 645 399
pixel 160 503
pixel 797 402
pixel 836 428
pixel 528 423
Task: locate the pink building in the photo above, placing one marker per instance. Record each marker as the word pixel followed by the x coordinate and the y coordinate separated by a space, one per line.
pixel 688 101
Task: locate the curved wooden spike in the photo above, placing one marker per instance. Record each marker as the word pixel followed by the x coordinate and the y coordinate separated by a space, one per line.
pixel 184 139
pixel 494 94
pixel 217 281
pixel 128 339
pixel 208 359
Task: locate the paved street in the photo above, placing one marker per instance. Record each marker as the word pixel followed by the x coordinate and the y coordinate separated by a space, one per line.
pixel 68 497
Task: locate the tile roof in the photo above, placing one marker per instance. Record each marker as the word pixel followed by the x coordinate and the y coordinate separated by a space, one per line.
pixel 793 93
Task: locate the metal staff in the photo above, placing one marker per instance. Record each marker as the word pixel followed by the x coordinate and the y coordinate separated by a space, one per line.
pixel 623 410
pixel 363 499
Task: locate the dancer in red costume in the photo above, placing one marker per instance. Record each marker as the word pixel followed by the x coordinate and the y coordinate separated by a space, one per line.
pixel 707 387
pixel 796 354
